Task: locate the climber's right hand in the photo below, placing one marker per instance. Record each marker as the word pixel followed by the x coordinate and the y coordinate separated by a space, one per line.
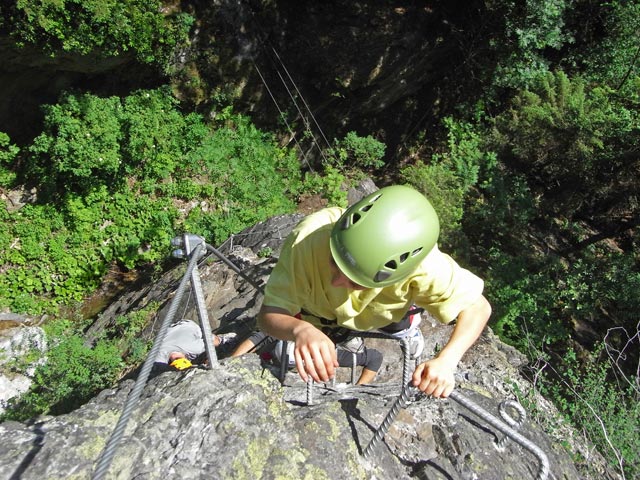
pixel 315 353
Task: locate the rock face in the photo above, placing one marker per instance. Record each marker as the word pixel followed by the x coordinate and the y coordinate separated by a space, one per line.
pixel 17 341
pixel 384 70
pixel 237 421
pixel 389 71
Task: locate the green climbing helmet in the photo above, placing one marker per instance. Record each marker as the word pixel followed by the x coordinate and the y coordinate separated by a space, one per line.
pixel 382 238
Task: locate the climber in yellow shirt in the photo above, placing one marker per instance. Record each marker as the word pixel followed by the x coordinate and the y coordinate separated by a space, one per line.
pixel 364 268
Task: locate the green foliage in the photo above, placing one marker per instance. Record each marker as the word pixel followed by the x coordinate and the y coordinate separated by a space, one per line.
pixel 127 333
pixel 565 134
pixel 355 152
pixel 531 28
pixel 607 413
pixel 558 143
pixel 81 144
pixel 606 46
pixel 600 281
pixel 442 187
pixel 537 299
pixel 89 142
pixel 113 173
pixel 252 178
pixel 524 307
pixel 329 186
pixel 73 373
pixel 54 255
pixel 34 239
pixel 105 27
pixel 158 135
pixel 466 153
pixel 452 173
pixel 8 153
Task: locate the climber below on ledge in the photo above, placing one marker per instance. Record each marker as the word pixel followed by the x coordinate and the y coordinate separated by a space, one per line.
pixel 183 345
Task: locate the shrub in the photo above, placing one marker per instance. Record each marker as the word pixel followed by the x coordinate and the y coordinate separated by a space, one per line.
pixel 442 187
pixel 355 152
pixel 607 413
pixel 531 30
pixel 8 153
pixel 157 134
pixel 251 177
pixel 89 141
pixel 568 137
pixel 447 180
pixel 73 373
pixel 80 145
pixel 113 173
pixel 329 185
pixel 99 27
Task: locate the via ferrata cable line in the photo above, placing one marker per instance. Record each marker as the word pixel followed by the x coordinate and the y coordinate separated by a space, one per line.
pixel 278 66
pixel 194 249
pixel 132 401
pixel 307 125
pixel 302 98
pixel 304 119
pixel 283 116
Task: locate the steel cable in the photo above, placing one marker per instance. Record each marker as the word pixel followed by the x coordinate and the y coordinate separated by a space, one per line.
pixel 543 469
pixel 233 267
pixel 401 401
pixel 110 449
pixel 380 432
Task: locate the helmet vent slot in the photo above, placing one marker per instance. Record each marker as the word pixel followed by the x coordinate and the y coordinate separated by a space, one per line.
pixel 355 218
pixel 416 252
pixel 366 208
pixel 381 276
pixel 391 265
pixel 404 257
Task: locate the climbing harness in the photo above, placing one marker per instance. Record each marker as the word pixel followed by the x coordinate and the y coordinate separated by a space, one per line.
pixel 401 401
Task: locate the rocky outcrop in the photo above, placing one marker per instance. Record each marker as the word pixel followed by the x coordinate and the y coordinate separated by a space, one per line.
pixel 237 421
pixel 389 71
pixel 21 347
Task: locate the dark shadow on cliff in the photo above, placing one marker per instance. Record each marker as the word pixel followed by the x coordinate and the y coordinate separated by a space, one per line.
pixel 37 444
pixel 351 410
